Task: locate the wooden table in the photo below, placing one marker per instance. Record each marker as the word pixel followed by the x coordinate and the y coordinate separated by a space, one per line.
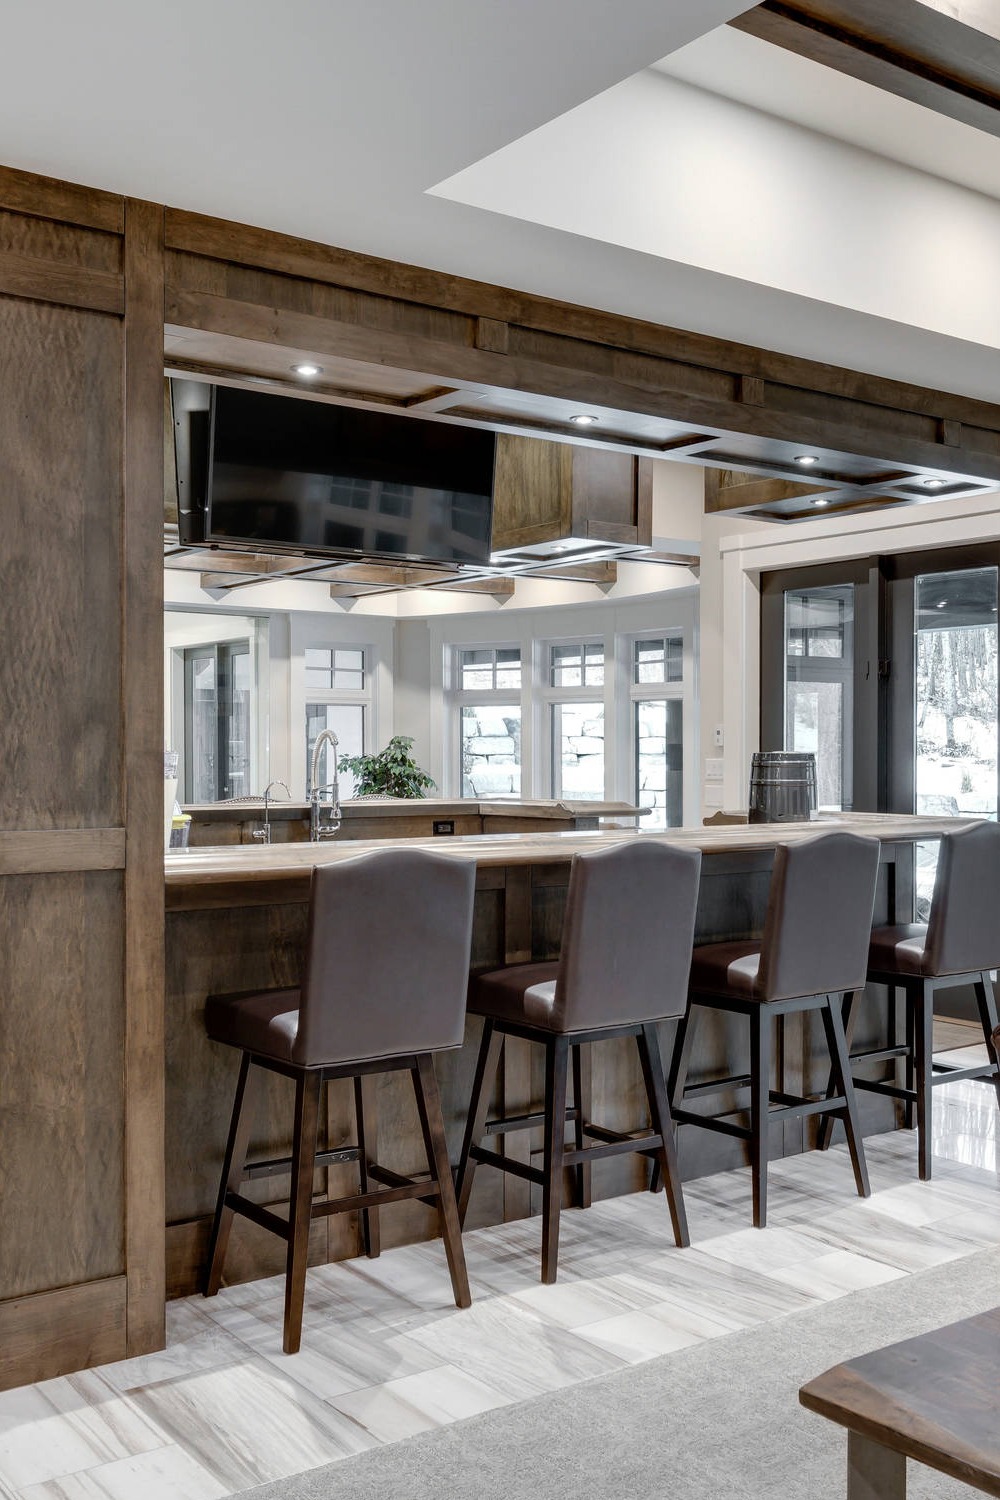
pixel 935 1399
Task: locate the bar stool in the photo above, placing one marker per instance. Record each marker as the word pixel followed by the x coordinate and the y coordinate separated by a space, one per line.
pixel 815 938
pixel 386 970
pixel 626 951
pixel 958 944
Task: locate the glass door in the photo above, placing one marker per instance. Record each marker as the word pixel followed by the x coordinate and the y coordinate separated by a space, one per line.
pixel 955 718
pixel 218 721
pixel 820 670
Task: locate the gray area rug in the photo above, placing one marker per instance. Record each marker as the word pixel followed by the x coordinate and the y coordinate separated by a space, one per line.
pixel 717 1421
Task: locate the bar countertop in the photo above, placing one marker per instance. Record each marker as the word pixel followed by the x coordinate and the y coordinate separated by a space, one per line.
pixel 212 876
pixel 558 810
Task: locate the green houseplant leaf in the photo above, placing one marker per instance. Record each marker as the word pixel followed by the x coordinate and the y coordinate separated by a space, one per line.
pixel 391 773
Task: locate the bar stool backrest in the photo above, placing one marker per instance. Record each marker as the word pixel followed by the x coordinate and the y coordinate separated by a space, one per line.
pixel 963 932
pixel 627 935
pixel 387 957
pixel 819 916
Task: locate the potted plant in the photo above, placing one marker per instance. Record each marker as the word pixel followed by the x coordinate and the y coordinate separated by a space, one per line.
pixel 391 773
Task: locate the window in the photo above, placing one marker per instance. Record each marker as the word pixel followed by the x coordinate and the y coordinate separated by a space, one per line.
pixel 218 721
pixel 338 697
pixel 585 714
pixel 657 675
pixel 819 668
pixel 487 693
pixel 576 720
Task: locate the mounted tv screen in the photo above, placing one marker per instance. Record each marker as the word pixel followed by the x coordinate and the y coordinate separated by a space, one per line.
pixel 305 476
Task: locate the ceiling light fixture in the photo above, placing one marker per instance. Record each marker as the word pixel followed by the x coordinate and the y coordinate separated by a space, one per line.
pixel 821 501
pixel 934 484
pixel 582 419
pixel 941 604
pixel 307 370
pixel 805 459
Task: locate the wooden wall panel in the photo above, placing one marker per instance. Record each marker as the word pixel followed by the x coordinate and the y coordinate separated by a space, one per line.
pixel 141 605
pixel 62 244
pixel 61 488
pixel 61 1064
pixel 47 1334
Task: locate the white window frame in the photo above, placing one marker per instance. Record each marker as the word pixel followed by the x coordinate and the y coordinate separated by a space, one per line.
pixel 671 613
pixel 660 692
pixel 548 696
pixel 456 698
pixel 318 632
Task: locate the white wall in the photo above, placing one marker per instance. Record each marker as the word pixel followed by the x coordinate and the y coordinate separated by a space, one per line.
pixel 658 166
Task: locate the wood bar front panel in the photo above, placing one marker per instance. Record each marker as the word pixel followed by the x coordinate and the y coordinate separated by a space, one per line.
pixel 518 916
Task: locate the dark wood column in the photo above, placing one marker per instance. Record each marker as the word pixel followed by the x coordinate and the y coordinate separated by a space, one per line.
pixel 81 990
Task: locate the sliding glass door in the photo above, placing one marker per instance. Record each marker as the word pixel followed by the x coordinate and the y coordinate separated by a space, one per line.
pixel 887 670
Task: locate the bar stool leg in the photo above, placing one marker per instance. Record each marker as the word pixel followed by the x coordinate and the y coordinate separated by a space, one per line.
pixel 760 1086
pixel 482 1092
pixel 910 1107
pixel 986 1000
pixel 369 1216
pixel 659 1114
pixel 425 1087
pixel 556 1067
pixel 232 1174
pixel 923 1021
pixel 307 1094
pixel 581 1112
pixel 841 1068
pixel 849 1015
pixel 681 1060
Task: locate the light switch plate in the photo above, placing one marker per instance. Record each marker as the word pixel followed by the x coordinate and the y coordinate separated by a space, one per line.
pixel 713 794
pixel 714 770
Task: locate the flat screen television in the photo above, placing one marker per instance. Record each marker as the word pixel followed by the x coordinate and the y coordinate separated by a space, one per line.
pixel 305 476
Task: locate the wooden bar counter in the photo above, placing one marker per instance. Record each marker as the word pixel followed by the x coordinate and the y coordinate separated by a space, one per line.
pixel 239 821
pixel 236 921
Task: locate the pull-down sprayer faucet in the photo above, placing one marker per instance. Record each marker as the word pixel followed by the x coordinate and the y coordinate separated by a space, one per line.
pixel 320 827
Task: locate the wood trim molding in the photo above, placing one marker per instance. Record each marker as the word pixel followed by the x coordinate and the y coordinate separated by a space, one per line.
pixel 72 286
pixel 142 719
pixel 56 851
pixel 55 1333
pixel 882 432
pixel 944 58
pixel 68 202
pixel 240 244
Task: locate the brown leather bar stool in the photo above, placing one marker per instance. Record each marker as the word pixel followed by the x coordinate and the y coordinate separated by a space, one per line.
pixel 813 947
pixel 626 950
pixel 959 944
pixel 386 971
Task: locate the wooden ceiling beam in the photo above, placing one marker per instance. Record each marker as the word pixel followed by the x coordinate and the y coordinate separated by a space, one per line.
pixel 943 54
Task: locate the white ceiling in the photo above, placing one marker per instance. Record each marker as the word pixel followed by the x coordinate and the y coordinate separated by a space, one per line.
pixel 334 120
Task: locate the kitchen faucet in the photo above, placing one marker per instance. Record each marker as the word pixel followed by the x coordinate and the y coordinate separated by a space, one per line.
pixel 263 835
pixel 320 827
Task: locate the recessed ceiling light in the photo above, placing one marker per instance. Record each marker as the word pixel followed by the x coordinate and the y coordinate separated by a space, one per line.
pixel 805 459
pixel 941 604
pixel 934 484
pixel 307 369
pixel 821 501
pixel 582 419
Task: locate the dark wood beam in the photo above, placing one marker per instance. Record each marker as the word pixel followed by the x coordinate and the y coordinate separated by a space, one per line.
pixel 943 54
pixel 702 399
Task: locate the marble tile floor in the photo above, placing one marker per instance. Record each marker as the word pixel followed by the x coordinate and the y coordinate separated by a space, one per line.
pixel 386 1355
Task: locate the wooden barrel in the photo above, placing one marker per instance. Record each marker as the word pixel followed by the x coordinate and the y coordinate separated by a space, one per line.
pixel 782 786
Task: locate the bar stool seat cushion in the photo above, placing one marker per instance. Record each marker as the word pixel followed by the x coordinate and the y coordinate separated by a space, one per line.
pixel 899 950
pixel 727 969
pixel 262 1021
pixel 523 992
